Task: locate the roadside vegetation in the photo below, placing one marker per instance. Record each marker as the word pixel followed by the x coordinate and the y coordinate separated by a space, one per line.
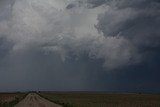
pixel 11 99
pixel 85 99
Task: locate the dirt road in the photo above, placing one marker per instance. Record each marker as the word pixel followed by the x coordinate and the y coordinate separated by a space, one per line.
pixel 34 100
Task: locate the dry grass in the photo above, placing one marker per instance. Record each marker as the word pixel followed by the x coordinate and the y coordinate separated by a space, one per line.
pixel 10 99
pixel 7 97
pixel 84 99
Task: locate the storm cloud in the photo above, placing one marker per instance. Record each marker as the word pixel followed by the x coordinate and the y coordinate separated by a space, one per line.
pixel 70 41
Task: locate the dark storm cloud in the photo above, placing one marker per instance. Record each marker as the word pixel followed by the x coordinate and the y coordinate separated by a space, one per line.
pixel 78 45
pixel 137 21
pixel 96 3
pixel 125 3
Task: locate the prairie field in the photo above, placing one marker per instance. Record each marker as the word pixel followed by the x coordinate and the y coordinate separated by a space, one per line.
pixel 10 99
pixel 88 99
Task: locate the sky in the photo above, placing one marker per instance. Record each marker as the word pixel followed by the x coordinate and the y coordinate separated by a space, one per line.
pixel 80 45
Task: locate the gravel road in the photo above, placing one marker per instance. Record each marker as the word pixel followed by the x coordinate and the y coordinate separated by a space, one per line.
pixel 34 100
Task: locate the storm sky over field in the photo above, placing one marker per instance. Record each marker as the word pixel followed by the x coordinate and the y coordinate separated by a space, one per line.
pixel 80 45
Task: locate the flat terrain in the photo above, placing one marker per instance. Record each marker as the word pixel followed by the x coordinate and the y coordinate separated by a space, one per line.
pixel 34 100
pixel 7 97
pixel 79 99
pixel 88 99
pixel 10 99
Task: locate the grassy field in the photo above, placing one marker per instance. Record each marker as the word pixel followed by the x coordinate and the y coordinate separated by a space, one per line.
pixel 84 99
pixel 10 99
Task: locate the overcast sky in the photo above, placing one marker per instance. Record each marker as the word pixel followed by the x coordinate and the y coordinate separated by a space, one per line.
pixel 80 45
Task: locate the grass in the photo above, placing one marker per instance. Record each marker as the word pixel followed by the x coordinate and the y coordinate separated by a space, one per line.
pixel 86 99
pixel 11 99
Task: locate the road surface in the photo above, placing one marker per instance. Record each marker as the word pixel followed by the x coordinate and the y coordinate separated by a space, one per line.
pixel 34 100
